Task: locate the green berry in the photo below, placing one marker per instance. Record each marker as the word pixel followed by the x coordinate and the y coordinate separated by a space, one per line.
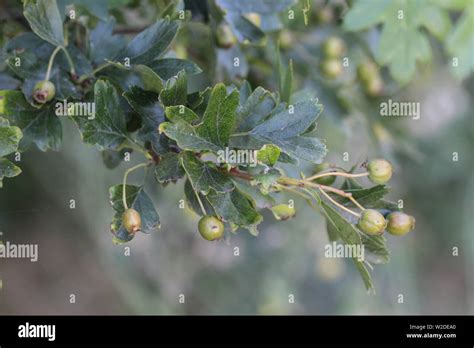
pixel 211 228
pixel 334 47
pixel 370 78
pixel 44 91
pixel 131 220
pixel 372 222
pixel 324 15
pixel 367 71
pixel 400 223
pixel 325 180
pixel 380 171
pixel 331 68
pixel 283 211
pixel 286 39
pixel 373 87
pixel 225 37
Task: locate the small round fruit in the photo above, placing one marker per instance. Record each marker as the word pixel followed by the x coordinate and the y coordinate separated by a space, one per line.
pixel 44 91
pixel 372 222
pixel 380 171
pixel 286 39
pixel 211 228
pixel 325 180
pixel 367 71
pixel 374 87
pixel 283 211
pixel 400 223
pixel 331 68
pixel 225 37
pixel 324 15
pixel 131 220
pixel 334 47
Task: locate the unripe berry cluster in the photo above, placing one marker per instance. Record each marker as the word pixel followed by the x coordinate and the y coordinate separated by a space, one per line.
pixel 371 221
pixel 370 78
pixel 333 49
pixel 374 223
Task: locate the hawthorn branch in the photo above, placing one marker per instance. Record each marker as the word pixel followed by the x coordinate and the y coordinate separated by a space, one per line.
pixel 287 184
pixel 237 173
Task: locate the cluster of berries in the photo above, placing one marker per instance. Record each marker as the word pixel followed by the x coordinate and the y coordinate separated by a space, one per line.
pixel 371 221
pixel 333 49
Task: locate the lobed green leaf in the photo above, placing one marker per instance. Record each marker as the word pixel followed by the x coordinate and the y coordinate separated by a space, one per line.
pixel 45 20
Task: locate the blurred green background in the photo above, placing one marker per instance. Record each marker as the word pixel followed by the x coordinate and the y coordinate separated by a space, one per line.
pixel 76 255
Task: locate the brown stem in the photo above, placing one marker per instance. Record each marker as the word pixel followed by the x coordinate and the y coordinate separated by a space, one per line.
pixel 239 174
pixel 336 191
